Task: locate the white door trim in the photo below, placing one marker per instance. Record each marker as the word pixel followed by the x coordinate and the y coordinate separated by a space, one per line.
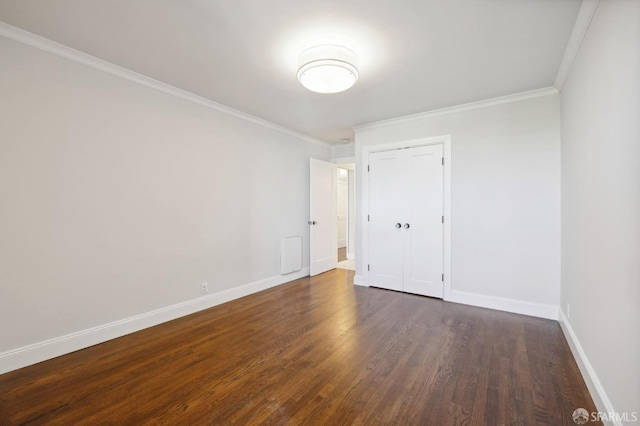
pixel 445 141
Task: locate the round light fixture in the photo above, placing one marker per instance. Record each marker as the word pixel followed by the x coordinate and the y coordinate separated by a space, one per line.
pixel 328 68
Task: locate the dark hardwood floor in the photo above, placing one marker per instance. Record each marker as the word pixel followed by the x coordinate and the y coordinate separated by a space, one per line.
pixel 314 351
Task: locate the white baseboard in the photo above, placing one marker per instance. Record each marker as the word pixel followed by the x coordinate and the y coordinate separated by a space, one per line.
pixel 503 304
pixel 600 398
pixel 499 303
pixel 42 351
pixel 359 280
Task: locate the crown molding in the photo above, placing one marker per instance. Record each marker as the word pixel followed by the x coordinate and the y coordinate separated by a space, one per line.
pixel 66 52
pixel 460 108
pixel 580 28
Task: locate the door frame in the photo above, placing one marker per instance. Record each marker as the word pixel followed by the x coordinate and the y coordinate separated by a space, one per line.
pixel 445 141
pixel 353 216
pixel 345 182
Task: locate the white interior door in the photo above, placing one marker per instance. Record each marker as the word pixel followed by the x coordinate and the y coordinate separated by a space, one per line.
pixel 322 222
pixel 406 205
pixel 423 261
pixel 386 216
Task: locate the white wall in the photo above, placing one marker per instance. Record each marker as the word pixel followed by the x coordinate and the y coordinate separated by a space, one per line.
pixel 505 199
pixel 118 199
pixel 601 202
pixel 342 151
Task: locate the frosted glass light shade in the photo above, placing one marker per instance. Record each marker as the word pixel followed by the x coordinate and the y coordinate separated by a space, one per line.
pixel 328 69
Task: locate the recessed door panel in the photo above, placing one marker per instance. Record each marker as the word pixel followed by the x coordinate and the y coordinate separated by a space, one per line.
pixel 424 253
pixel 386 202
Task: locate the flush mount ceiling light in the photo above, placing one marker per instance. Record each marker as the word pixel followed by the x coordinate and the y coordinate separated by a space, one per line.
pixel 327 68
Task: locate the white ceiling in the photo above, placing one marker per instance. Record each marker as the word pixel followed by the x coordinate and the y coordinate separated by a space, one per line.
pixel 415 55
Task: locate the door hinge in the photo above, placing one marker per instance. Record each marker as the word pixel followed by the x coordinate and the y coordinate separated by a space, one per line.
pixel 368 168
pixel 368 267
pixel 443 161
pixel 442 219
pixel 442 277
pixel 368 218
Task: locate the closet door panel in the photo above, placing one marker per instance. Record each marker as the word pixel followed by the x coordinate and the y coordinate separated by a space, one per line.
pixel 423 260
pixel 387 202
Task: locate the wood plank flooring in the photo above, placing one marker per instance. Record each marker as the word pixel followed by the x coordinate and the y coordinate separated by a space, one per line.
pixel 314 351
pixel 342 254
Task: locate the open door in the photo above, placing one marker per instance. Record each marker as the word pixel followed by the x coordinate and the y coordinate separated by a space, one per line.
pixel 323 217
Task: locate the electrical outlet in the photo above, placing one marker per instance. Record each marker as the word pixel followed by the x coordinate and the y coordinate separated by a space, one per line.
pixel 204 288
pixel 568 310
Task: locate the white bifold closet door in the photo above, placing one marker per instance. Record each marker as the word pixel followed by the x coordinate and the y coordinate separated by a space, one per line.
pixel 406 208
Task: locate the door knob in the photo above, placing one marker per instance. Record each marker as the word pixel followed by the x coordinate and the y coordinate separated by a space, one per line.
pixel 398 225
pixel 407 226
pixel 312 222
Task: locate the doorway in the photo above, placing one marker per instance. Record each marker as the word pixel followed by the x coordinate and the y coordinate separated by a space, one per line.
pixel 345 206
pixel 332 232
